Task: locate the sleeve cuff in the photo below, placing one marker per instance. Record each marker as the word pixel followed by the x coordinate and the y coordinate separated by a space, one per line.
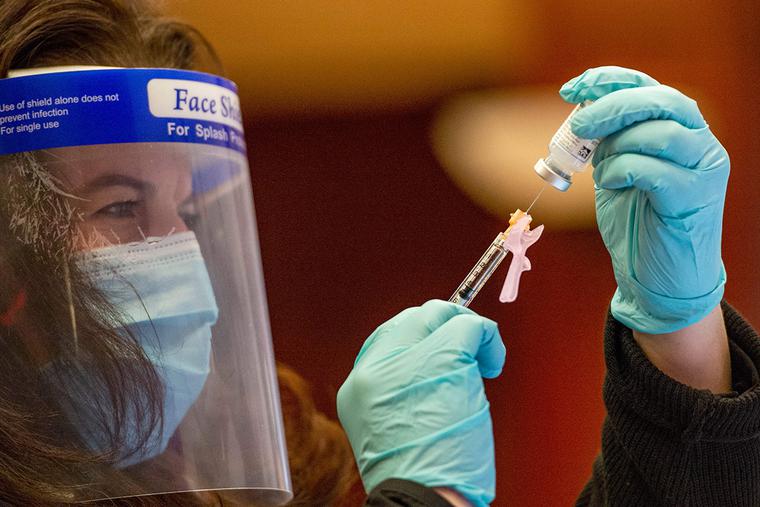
pixel 400 492
pixel 649 312
pixel 633 383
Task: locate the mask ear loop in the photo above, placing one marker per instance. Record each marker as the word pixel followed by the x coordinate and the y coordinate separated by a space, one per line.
pixel 72 312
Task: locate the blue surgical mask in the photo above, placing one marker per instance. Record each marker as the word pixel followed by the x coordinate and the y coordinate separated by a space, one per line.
pixel 163 290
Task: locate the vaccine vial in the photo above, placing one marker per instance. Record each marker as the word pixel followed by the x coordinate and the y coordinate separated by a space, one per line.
pixel 568 154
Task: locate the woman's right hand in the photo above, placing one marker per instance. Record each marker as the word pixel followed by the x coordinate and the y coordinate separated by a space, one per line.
pixel 414 406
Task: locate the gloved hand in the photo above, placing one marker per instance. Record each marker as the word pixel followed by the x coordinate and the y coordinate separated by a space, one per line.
pixel 414 406
pixel 661 180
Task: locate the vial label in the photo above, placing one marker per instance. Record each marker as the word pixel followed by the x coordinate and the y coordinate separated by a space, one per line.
pixel 579 148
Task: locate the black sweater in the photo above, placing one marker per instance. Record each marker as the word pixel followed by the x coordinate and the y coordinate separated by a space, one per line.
pixel 663 443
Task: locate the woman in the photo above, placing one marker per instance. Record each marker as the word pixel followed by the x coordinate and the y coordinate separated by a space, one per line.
pixel 110 389
pixel 137 358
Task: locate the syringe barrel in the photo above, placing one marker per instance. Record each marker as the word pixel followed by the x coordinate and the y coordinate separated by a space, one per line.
pixel 480 273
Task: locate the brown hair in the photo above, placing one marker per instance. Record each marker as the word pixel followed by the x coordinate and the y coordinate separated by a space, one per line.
pixel 321 462
pixel 37 466
pixel 120 33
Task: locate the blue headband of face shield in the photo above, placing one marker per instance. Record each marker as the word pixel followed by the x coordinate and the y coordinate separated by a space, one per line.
pixel 86 106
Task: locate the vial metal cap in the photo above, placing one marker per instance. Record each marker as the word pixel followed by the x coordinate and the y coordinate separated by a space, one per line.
pixel 554 178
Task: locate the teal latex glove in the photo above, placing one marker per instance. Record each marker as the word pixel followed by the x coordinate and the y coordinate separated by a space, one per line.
pixel 661 180
pixel 414 406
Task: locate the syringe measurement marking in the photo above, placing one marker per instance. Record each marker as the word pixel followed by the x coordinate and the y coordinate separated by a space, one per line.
pixel 481 272
pixel 476 273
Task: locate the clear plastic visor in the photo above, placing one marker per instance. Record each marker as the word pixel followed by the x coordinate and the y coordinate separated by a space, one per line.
pixel 159 373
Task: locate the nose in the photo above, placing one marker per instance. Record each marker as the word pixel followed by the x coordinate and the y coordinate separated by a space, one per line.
pixel 164 220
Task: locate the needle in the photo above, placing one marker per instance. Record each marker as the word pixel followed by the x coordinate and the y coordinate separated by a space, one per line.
pixel 534 200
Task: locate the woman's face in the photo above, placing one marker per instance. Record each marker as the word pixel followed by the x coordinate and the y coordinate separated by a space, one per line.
pixel 123 193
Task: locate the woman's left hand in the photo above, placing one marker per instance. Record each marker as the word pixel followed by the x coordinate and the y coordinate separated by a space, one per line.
pixel 661 179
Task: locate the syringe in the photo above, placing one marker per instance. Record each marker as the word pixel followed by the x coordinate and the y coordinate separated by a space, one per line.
pixel 482 271
pixel 489 261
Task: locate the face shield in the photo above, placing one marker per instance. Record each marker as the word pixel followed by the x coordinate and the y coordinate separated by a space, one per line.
pixel 131 233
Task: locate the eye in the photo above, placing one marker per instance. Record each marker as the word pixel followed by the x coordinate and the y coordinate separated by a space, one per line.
pixel 122 209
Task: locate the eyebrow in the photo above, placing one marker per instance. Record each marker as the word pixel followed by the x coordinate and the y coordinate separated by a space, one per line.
pixel 113 180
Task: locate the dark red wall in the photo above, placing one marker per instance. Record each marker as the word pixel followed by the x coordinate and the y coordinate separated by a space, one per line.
pixel 357 222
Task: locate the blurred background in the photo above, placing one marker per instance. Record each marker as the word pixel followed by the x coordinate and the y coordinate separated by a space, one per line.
pixel 389 140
